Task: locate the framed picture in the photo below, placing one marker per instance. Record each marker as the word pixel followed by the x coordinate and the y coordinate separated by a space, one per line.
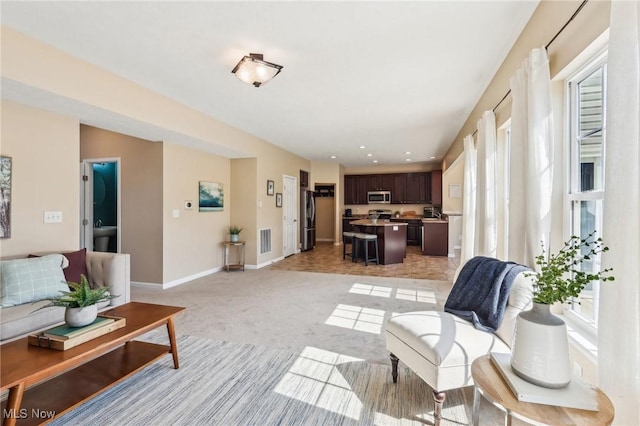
pixel 211 197
pixel 5 197
pixel 278 200
pixel 270 187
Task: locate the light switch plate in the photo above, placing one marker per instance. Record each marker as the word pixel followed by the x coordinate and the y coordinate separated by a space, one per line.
pixel 52 217
pixel 176 213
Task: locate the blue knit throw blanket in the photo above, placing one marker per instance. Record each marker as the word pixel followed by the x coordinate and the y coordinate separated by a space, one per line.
pixel 481 292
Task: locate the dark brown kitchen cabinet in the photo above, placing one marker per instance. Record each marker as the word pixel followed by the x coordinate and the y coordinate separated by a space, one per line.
pixel 414 230
pixel 418 188
pixel 436 187
pixel 382 182
pixel 436 238
pixel 355 189
pixel 398 188
pixel 304 179
pixel 346 226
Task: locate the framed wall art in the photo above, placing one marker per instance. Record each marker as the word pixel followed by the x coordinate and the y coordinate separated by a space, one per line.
pixel 270 187
pixel 278 200
pixel 5 197
pixel 211 197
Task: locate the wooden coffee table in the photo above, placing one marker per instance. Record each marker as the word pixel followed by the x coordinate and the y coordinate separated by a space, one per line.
pixel 44 383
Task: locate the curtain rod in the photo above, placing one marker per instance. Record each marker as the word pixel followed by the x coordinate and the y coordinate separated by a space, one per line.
pixel 546 48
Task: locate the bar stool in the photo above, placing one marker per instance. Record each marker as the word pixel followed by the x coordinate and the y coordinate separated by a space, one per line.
pixel 347 238
pixel 364 240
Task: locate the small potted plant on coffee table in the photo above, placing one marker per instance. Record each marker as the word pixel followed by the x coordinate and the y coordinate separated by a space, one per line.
pixel 81 302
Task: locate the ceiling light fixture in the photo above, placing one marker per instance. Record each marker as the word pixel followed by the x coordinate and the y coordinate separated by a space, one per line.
pixel 375 161
pixel 362 147
pixel 432 157
pixel 254 70
pixel 408 159
pixel 407 153
pixel 333 156
pixel 369 155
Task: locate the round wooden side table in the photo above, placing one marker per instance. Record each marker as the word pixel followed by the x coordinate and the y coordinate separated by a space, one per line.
pixel 489 383
pixel 239 245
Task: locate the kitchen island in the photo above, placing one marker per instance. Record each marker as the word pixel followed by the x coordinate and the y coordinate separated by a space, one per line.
pixel 392 238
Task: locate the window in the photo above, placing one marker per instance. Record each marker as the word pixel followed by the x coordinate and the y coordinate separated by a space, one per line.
pixel 587 136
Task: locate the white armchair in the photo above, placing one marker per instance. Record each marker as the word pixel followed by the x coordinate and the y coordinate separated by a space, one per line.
pixel 440 347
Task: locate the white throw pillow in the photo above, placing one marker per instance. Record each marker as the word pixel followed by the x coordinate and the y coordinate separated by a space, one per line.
pixel 31 279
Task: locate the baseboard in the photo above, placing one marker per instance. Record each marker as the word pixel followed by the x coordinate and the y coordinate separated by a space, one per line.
pixel 263 264
pixel 177 282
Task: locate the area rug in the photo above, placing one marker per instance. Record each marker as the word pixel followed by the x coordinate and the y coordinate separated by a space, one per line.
pixel 224 383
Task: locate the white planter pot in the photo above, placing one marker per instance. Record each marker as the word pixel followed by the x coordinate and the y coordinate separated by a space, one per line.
pixel 540 349
pixel 79 317
pixel 234 238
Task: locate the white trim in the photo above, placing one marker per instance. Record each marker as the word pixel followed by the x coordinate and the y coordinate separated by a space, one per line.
pixel 263 264
pixel 177 282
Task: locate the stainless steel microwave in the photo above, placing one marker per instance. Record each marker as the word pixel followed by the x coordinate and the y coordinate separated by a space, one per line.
pixel 379 197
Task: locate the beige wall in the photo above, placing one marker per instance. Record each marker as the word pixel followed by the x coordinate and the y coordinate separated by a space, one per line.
pixel 141 183
pixel 45 177
pixel 243 197
pixel 545 22
pixel 272 164
pixel 331 173
pixel 452 176
pixel 192 240
pixel 399 168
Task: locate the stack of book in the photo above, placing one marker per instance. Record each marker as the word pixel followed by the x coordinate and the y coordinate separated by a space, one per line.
pixel 578 394
pixel 64 337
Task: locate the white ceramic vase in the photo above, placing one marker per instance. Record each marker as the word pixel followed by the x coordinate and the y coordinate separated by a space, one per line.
pixel 234 238
pixel 79 317
pixel 540 349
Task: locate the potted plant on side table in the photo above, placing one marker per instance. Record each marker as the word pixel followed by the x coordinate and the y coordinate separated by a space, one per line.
pixel 81 302
pixel 540 349
pixel 234 233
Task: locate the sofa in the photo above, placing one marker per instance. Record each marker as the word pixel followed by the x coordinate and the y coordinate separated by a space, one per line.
pixel 19 315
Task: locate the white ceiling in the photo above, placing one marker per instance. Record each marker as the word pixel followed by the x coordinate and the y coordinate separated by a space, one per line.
pixel 391 76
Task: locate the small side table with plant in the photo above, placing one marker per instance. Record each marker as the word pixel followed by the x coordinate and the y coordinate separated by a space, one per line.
pixel 540 350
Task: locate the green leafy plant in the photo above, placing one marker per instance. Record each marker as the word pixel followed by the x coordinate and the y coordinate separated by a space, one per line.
pixel 80 295
pixel 560 277
pixel 233 229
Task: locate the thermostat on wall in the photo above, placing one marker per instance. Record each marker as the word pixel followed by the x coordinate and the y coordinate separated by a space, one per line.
pixel 188 205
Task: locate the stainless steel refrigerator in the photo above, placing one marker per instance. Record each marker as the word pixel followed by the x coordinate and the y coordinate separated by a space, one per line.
pixel 307 219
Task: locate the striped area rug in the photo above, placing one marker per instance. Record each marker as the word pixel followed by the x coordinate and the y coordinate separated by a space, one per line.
pixel 223 383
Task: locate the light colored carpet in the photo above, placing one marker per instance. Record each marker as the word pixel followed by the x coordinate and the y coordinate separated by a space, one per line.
pixel 281 348
pixel 292 310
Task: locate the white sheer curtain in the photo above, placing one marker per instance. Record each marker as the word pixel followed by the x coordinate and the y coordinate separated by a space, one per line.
pixel 531 164
pixel 619 318
pixel 486 235
pixel 468 200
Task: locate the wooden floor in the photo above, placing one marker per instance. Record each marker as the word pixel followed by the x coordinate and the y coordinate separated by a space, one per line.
pixel 326 257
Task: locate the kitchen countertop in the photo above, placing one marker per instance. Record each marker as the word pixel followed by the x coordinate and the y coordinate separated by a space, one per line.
pixel 434 221
pixel 380 222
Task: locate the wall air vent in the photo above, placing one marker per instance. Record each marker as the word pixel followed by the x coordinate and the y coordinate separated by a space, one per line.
pixel 265 241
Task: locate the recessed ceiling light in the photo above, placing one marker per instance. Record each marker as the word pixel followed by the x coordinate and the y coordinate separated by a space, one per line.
pixel 432 157
pixel 407 153
pixel 408 159
pixel 362 147
pixel 333 156
pixel 369 155
pixel 375 161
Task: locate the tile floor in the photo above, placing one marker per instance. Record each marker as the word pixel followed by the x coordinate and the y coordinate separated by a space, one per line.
pixel 326 257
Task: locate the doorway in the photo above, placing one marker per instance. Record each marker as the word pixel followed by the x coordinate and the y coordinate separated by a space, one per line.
pixel 325 212
pixel 289 216
pixel 100 205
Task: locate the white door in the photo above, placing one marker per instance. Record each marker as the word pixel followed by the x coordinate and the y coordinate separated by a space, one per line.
pixel 88 201
pixel 290 215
